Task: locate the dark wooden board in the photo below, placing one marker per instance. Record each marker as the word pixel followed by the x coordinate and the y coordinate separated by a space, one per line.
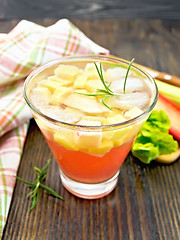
pixel 164 9
pixel 146 202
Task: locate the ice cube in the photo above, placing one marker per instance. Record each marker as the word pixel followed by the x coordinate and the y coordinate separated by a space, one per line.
pixel 132 84
pixel 116 73
pixel 129 100
pixel 65 115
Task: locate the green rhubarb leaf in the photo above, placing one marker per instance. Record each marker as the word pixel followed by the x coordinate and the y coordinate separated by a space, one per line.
pixel 154 138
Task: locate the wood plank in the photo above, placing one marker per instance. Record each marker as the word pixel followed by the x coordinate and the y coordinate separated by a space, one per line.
pixel 12 9
pixel 145 204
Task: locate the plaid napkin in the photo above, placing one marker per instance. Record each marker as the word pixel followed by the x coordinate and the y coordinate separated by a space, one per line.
pixel 27 46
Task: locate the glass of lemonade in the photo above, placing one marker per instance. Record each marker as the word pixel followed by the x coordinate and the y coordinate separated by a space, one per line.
pixel 89 131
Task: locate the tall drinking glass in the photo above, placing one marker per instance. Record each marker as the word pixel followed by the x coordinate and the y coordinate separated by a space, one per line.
pixel 90 126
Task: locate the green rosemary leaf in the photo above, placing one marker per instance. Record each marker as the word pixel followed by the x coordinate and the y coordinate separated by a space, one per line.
pixel 44 169
pixel 36 169
pixel 102 78
pixel 103 91
pixel 109 84
pixel 103 99
pixel 130 64
pixel 34 201
pixel 30 193
pixel 43 172
pixel 36 174
pixel 49 190
pixel 41 177
pixel 97 69
pixel 101 71
pixel 24 181
pixel 90 94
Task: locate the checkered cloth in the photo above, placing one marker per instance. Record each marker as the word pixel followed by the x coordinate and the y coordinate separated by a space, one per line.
pixel 27 46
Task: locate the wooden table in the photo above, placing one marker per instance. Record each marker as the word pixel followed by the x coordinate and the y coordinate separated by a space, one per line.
pixel 146 202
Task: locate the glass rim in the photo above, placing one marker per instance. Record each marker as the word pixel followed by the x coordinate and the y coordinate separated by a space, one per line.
pixel 100 58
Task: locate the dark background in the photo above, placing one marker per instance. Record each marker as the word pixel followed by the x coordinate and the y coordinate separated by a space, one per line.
pixel 88 9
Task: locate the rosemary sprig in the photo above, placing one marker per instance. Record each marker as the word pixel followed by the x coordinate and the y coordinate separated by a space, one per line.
pixel 40 176
pixel 130 64
pixel 107 92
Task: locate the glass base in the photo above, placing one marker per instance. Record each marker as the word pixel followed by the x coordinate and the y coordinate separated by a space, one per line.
pixel 88 190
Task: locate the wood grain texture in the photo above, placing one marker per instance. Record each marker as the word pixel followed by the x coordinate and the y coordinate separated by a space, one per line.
pixel 145 205
pixel 87 9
